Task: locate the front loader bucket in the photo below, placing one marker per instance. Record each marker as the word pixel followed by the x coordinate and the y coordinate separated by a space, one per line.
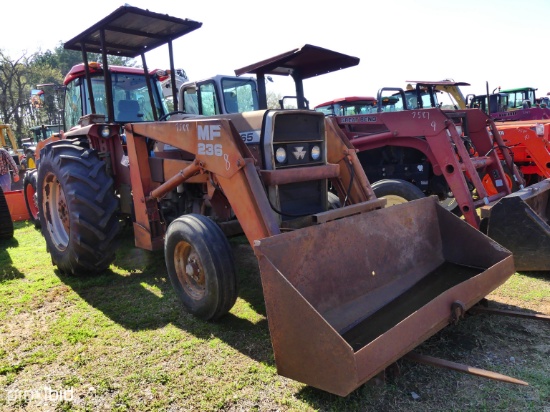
pixel 519 222
pixel 347 298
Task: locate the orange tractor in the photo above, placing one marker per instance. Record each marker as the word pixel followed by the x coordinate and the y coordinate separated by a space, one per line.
pixel 187 182
pixel 528 144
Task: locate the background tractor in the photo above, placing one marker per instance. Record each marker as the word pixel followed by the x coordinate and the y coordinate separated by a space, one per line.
pixel 9 142
pixel 38 133
pixel 511 104
pixel 460 156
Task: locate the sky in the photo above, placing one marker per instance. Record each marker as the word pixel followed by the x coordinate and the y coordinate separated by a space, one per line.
pixel 495 42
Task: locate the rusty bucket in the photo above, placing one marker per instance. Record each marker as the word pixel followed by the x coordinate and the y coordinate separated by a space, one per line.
pixel 519 222
pixel 347 298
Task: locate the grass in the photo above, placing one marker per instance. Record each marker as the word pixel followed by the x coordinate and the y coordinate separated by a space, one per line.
pixel 120 341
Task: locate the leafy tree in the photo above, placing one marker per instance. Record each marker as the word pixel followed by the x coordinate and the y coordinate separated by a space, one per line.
pixel 13 91
pixel 43 74
pixel 273 100
pixel 64 59
pixel 20 76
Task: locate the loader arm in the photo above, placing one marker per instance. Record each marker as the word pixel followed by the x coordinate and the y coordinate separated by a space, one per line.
pixel 435 133
pixel 352 184
pixel 455 92
pixel 11 138
pixel 528 142
pixel 222 158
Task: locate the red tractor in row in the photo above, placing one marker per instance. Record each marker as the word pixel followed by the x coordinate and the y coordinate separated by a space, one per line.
pixel 413 148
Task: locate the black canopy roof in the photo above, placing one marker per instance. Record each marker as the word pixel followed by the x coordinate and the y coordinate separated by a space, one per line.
pixel 301 63
pixel 130 31
pixel 306 61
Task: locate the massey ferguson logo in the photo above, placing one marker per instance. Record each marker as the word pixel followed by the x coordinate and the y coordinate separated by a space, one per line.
pixel 299 153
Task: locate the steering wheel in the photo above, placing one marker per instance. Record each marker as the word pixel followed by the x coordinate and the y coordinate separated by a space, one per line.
pixel 167 115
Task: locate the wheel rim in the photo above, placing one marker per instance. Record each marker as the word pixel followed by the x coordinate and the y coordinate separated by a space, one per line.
pixel 392 200
pixel 189 270
pixel 30 193
pixel 56 212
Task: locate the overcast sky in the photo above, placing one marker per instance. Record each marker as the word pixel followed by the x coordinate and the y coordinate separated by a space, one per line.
pixel 503 42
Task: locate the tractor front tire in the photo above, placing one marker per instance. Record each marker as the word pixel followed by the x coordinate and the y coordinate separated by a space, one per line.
pixel 77 207
pixel 200 265
pixel 396 191
pixel 31 197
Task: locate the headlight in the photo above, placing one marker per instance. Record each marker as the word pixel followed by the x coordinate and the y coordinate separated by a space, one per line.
pixel 105 131
pixel 280 155
pixel 315 152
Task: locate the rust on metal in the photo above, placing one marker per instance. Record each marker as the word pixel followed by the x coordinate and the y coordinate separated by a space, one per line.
pixel 457 311
pixel 176 180
pixel 281 177
pixel 339 213
pixel 338 316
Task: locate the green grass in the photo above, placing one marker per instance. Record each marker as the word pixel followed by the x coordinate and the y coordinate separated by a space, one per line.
pixel 120 341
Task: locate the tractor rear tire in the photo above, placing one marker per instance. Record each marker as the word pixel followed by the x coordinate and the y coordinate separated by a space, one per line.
pixel 6 224
pixel 200 265
pixel 396 191
pixel 77 207
pixel 31 197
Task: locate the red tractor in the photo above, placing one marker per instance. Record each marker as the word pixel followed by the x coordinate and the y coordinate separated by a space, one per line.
pixel 458 155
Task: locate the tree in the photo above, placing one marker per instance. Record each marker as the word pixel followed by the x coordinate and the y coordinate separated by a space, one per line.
pixel 273 100
pixel 64 60
pixel 43 74
pixel 20 77
pixel 13 91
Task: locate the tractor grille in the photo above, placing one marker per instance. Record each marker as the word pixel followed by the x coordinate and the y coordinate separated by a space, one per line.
pixel 298 134
pixel 302 136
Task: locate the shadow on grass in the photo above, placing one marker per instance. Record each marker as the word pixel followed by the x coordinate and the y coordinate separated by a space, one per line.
pixel 7 270
pixel 541 275
pixel 142 298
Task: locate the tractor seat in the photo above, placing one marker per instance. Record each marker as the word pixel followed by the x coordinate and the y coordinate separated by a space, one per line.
pixel 129 111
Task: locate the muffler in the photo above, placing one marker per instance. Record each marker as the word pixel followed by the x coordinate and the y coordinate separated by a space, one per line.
pixel 519 222
pixel 347 298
